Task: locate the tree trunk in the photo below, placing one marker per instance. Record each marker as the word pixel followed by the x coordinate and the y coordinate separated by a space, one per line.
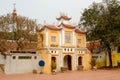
pixel 110 58
pixel 110 55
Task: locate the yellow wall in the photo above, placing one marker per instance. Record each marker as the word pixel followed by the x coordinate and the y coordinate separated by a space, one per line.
pixel 100 64
pixel 40 42
pixel 53 33
pixel 88 60
pixel 115 59
pixel 71 32
pixel 82 37
pixel 47 58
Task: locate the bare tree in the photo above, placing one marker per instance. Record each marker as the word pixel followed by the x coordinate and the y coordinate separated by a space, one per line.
pixel 17 28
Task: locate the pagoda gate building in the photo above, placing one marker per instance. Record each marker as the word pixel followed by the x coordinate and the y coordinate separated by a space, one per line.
pixel 65 44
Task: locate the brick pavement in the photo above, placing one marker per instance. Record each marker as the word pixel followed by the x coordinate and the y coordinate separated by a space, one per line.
pixel 70 75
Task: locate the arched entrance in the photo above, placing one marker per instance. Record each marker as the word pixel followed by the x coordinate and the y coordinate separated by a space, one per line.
pixel 80 60
pixel 68 62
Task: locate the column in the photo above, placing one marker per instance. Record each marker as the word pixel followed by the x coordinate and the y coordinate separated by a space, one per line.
pixel 84 62
pixel 46 37
pixel 73 38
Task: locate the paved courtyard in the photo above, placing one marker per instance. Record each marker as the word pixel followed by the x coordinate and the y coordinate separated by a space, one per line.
pixel 70 75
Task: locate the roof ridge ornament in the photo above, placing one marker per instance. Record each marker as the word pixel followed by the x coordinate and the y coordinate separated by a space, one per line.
pixel 62 14
pixel 14 6
pixel 14 10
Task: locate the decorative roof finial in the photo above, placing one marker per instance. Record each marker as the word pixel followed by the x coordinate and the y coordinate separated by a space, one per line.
pixel 14 10
pixel 14 6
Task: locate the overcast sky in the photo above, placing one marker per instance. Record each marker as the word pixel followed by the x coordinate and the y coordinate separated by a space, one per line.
pixel 46 10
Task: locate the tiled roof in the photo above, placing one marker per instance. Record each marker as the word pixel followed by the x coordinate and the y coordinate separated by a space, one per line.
pixel 79 31
pixel 63 17
pixel 94 46
pixel 67 26
pixel 53 27
pixel 28 46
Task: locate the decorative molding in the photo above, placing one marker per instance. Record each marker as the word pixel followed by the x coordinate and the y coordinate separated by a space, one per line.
pixel 68 50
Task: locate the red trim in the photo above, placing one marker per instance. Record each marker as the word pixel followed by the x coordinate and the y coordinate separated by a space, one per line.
pixel 78 31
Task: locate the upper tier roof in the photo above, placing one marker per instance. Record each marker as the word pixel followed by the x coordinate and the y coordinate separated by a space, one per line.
pixel 67 26
pixel 53 27
pixel 63 17
pixel 63 25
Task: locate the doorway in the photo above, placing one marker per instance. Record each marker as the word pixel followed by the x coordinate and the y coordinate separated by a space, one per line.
pixel 80 60
pixel 68 62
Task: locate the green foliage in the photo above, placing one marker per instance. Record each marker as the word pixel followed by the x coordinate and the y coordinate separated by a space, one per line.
pixel 102 20
pixel 93 62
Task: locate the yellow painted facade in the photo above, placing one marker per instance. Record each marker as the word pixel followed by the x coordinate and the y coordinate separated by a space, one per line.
pixel 100 60
pixel 100 64
pixel 105 60
pixel 65 45
pixel 115 59
pixel 82 37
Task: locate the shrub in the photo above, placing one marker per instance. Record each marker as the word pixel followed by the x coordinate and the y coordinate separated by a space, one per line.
pixel 34 71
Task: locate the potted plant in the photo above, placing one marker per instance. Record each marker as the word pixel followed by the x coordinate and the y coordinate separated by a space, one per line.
pixel 93 64
pixel 53 67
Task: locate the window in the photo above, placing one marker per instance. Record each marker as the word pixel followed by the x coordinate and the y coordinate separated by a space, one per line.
pixel 41 39
pixel 68 49
pixel 53 38
pixel 14 57
pixel 51 51
pixel 55 51
pixel 79 41
pixel 95 57
pixel 65 49
pixel 24 57
pixel 35 57
pixel 67 37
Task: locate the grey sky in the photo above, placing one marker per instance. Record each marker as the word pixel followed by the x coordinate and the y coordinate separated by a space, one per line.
pixel 46 10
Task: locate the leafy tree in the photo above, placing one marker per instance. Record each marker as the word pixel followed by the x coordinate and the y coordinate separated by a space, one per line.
pixel 102 20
